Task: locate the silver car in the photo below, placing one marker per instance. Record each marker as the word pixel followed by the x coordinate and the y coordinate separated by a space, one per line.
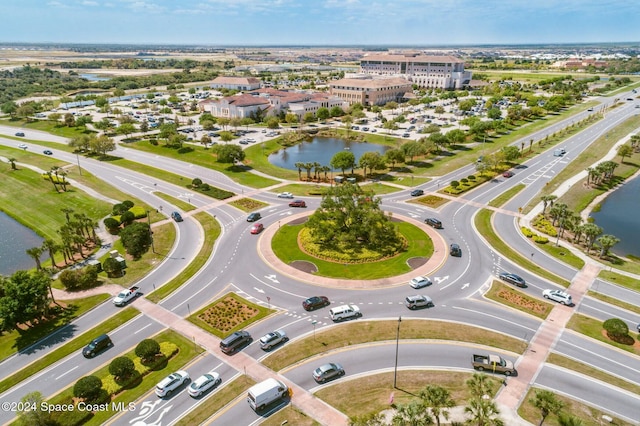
pixel 418 301
pixel 327 371
pixel 419 282
pixel 559 296
pixel 272 339
pixel 203 383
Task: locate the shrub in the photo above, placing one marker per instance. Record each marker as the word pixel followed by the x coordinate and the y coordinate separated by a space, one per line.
pixel 455 184
pixel 74 279
pixel 112 267
pixel 121 367
pixel 205 187
pixel 138 211
pixel 615 328
pixel 118 209
pixel 527 232
pixel 185 150
pixel 471 177
pixel 127 218
pixel 147 350
pixel 128 204
pixel 87 388
pixel 464 181
pixel 540 239
pixel 111 223
pixel 196 182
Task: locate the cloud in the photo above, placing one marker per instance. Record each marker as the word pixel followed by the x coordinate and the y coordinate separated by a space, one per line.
pixel 57 4
pixel 89 3
pixel 144 6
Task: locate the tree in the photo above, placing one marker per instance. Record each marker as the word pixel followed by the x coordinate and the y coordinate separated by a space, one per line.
pixel 591 231
pixel 510 153
pixel 547 402
pixel 126 129
pixel 112 267
pixel 372 160
pixel 52 248
pixel 547 199
pixel 111 224
pixel 606 242
pixel 147 350
pixel 299 165
pixel 323 113
pixel 32 413
pixel 230 154
pixel 273 122
pixel 127 218
pixel 494 113
pixel 624 151
pixel 122 368
pixel 196 182
pixel 24 298
pixel 136 239
pixel 336 111
pixel 483 412
pixel 103 144
pixel 616 329
pixel 479 385
pixel 438 400
pixel 411 414
pixel 394 156
pixel 12 161
pixel 35 253
pixel 88 388
pixel 343 160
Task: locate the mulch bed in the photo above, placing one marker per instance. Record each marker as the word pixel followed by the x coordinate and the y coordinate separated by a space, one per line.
pixel 304 266
pixel 416 262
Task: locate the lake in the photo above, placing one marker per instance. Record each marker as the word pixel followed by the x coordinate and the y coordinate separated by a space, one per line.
pixel 14 240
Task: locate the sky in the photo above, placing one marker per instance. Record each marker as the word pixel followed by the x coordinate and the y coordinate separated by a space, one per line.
pixel 319 22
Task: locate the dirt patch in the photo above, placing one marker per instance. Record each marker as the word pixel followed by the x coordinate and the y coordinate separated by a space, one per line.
pixel 627 340
pixel 416 262
pixel 304 266
pixel 298 221
pixel 521 300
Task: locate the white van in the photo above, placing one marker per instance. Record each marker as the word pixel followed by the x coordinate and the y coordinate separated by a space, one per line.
pixel 264 393
pixel 343 312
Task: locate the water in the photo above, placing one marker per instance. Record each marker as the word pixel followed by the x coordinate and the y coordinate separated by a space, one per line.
pixel 94 77
pixel 14 240
pixel 321 150
pixel 619 216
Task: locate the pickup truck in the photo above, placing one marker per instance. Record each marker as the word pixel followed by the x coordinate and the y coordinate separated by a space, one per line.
pixel 493 363
pixel 125 296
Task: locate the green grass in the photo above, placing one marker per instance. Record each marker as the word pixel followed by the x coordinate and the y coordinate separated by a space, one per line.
pixel 613 301
pixel 525 303
pixel 362 332
pixel 257 157
pixel 380 188
pixel 285 246
pixel 485 228
pixel 563 254
pixel 227 393
pixel 623 280
pixel 432 201
pixel 52 127
pixel 506 195
pixel 182 205
pixel 248 204
pixel 262 313
pixel 211 233
pixel 593 328
pixel 72 345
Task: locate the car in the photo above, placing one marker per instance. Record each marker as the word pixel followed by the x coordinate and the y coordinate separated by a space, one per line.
pixel 315 302
pixel 327 371
pixel 418 301
pixel 373 130
pixel 172 382
pixel 204 383
pixel 19 133
pixel 512 279
pixel 272 339
pixel 47 152
pixel 297 203
pixel 257 228
pixel 559 296
pixel 96 346
pixel 417 192
pixel 176 216
pixel 432 221
pixel 23 146
pixel 559 152
pixel 406 135
pixel 253 217
pixel 508 174
pixel 630 99
pixel 420 281
pixel 590 109
pixel 126 296
pixel 455 250
pixel 235 341
pixel 285 195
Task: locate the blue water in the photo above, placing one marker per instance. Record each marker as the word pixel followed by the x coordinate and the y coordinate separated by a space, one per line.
pixel 619 216
pixel 321 150
pixel 14 240
pixel 94 77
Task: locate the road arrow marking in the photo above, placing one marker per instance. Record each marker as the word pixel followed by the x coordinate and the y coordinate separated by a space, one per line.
pixel 259 290
pixel 465 286
pixel 272 277
pixel 439 280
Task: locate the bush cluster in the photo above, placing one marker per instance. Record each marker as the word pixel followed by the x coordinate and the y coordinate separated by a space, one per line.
pixel 76 279
pixel 543 225
pixel 363 255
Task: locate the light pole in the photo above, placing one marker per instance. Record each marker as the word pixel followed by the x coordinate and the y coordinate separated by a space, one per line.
pixel 313 323
pixel 78 159
pixel 395 370
pixel 150 232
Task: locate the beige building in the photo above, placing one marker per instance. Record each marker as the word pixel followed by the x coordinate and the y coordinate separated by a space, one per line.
pixel 442 72
pixel 371 91
pixel 236 83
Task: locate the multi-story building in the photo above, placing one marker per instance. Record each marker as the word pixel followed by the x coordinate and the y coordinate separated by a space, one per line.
pixel 236 83
pixel 371 91
pixel 442 72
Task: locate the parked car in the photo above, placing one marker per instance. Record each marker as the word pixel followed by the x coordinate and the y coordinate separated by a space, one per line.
pixel 508 174
pixel 19 133
pixel 297 203
pixel 272 339
pixel 253 217
pixel 315 302
pixel 285 195
pixel 418 301
pixel 512 279
pixel 204 383
pixel 327 371
pixel 172 382
pixel 432 221
pixel 235 341
pixel 419 282
pixel 559 296
pixel 455 250
pixel 96 346
pixel 417 192
pixel 257 228
pixel 176 216
pixel 47 152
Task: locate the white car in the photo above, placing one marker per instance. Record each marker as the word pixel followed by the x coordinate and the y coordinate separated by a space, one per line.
pixel 23 146
pixel 204 383
pixel 285 195
pixel 272 339
pixel 171 383
pixel 558 296
pixel 419 282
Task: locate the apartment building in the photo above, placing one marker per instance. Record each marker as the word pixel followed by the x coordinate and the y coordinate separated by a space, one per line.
pixel 236 83
pixel 371 91
pixel 442 72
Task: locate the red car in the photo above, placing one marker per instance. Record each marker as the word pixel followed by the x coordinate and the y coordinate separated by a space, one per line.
pixel 257 228
pixel 297 203
pixel 315 302
pixel 508 174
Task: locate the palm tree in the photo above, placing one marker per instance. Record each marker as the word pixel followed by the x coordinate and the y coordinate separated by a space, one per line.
pixel 67 211
pixel 547 199
pixel 591 232
pixel 411 414
pixel 483 412
pixel 438 400
pixel 479 385
pixel 317 167
pixel 308 166
pixel 55 185
pixel 547 402
pixel 13 163
pixel 569 420
pixel 52 247
pixel 35 253
pixel 606 242
pixel 299 165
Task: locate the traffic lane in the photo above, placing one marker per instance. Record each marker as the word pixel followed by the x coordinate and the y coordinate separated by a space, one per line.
pixel 152 410
pixel 239 412
pixel 35 135
pixel 67 371
pixel 601 356
pixel 603 311
pixel 367 359
pixel 617 291
pixel 607 398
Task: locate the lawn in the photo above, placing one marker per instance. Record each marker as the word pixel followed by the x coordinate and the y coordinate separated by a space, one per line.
pixel 248 204
pixel 509 296
pixel 623 280
pixel 361 331
pixel 593 328
pixel 285 246
pixel 506 195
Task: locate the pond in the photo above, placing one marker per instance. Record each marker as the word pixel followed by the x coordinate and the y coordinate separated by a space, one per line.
pixel 618 216
pixel 14 240
pixel 321 150
pixel 94 77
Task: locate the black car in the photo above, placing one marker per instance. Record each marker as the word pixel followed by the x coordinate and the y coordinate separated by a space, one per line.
pixel 315 302
pixel 432 221
pixel 47 152
pixel 417 192
pixel 455 250
pixel 96 346
pixel 253 217
pixel 176 216
pixel 512 279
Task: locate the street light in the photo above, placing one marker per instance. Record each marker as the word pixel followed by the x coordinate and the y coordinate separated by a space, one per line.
pixel 78 158
pixel 395 370
pixel 313 323
pixel 150 232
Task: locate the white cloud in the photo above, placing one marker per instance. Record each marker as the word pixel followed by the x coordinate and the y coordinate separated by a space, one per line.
pixel 89 3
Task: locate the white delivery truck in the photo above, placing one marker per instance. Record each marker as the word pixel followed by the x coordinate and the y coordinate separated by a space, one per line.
pixel 264 393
